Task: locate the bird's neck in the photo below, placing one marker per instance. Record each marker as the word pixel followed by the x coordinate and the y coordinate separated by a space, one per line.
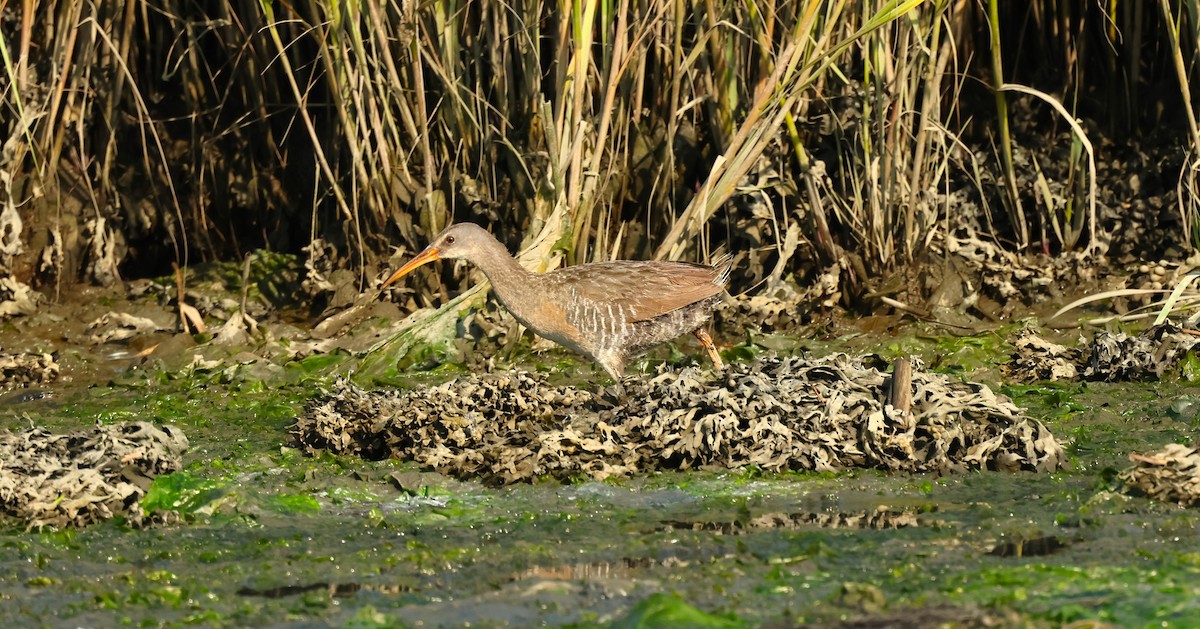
pixel 506 275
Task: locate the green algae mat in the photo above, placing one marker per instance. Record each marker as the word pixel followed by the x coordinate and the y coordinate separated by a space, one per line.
pixel 259 529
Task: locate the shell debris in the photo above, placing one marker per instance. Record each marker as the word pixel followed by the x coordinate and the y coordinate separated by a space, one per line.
pixel 27 369
pixel 75 479
pixel 1171 475
pixel 1109 357
pixel 791 413
pixel 1117 357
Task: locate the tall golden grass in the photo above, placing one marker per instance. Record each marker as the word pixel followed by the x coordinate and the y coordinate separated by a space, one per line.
pixel 811 133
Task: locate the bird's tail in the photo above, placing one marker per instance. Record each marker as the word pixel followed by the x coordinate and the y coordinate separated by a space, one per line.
pixel 723 264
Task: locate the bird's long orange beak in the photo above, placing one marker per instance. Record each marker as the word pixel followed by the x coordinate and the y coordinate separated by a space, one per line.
pixel 428 255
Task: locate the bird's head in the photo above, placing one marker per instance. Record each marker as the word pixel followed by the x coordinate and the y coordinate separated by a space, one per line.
pixel 461 241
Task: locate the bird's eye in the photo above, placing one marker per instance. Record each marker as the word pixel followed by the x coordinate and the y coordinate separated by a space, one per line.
pixel 449 240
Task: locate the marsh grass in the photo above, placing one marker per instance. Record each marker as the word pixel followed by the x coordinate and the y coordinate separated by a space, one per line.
pixel 812 135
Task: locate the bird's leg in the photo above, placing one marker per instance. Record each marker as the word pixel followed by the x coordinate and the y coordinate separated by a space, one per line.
pixel 613 362
pixel 513 343
pixel 619 393
pixel 709 347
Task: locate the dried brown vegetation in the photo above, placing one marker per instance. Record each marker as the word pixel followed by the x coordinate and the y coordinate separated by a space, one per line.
pixel 825 139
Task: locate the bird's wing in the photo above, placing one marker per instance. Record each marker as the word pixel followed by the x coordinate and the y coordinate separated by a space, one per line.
pixel 646 289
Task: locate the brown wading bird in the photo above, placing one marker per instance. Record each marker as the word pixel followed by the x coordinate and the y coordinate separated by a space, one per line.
pixel 610 311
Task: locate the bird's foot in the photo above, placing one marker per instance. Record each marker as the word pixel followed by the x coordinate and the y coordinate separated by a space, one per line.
pixel 615 395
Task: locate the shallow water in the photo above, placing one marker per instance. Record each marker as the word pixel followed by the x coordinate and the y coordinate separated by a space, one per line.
pixel 272 538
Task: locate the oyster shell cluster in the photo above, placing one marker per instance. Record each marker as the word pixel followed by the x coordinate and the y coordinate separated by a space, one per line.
pixel 1111 357
pixel 1171 474
pixel 1035 359
pixel 78 478
pixel 789 413
pixel 1147 356
pixel 27 369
